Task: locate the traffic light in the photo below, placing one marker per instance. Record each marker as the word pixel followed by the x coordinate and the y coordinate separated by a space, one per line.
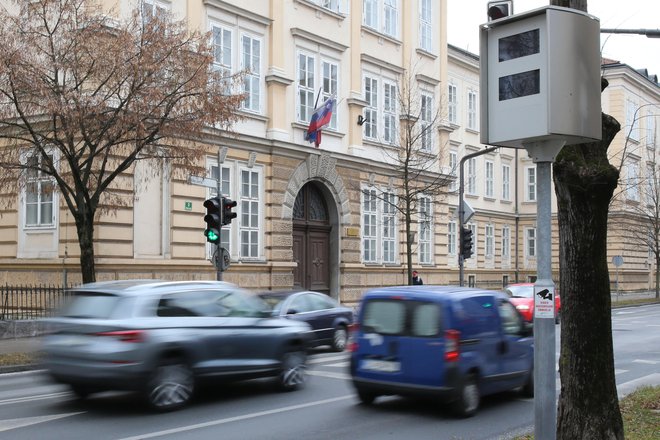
pixel 213 219
pixel 500 9
pixel 227 214
pixel 466 243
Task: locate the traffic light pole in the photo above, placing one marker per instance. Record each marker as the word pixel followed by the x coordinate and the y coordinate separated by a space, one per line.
pixel 216 255
pixel 461 209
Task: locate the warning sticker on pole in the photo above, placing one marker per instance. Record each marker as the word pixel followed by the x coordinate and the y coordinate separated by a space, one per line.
pixel 544 302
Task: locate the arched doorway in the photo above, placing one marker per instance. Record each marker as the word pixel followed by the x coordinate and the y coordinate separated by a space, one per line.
pixel 311 240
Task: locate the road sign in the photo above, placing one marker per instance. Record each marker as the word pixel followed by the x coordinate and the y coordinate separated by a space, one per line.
pixel 617 260
pixel 468 212
pixel 203 181
pixel 221 259
pixel 544 302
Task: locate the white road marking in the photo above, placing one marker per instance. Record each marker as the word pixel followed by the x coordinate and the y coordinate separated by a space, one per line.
pixel 339 364
pixel 620 371
pixel 329 374
pixel 33 398
pixel 320 360
pixel 644 361
pixel 237 418
pixel 6 425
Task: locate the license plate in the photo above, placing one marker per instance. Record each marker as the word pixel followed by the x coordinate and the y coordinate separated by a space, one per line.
pixel 380 365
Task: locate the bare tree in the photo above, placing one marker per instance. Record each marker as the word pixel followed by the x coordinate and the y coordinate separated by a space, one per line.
pixel 83 95
pixel 584 184
pixel 413 156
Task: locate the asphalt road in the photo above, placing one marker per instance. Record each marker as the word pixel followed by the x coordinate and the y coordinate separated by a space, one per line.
pixel 32 407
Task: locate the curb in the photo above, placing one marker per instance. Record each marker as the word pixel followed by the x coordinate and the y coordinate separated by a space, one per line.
pixel 5 369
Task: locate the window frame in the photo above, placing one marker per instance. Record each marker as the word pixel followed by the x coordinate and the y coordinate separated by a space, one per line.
pixel 452 104
pixel 506 181
pixel 426 119
pixel 39 179
pixel 255 105
pixel 530 183
pixel 380 241
pixel 472 110
pixel 489 177
pixel 489 241
pixel 426 25
pixel 425 241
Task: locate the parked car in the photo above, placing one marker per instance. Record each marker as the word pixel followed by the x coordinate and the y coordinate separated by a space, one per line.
pixel 329 319
pixel 522 296
pixel 453 343
pixel 162 338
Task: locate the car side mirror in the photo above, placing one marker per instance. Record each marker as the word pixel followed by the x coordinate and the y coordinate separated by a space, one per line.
pixel 527 329
pixel 291 312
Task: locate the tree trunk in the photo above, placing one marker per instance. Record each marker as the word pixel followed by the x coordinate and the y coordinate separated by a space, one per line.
pixel 85 228
pixel 584 184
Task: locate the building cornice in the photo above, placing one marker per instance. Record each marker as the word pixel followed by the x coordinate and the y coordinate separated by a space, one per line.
pixel 380 63
pixel 243 13
pixel 301 33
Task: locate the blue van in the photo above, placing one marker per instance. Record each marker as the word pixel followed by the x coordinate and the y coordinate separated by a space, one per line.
pixel 455 343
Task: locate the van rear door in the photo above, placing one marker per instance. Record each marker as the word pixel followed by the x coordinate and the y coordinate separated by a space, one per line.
pixel 401 341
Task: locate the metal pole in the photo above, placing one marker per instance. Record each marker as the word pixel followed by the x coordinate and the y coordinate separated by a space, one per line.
pixel 217 256
pixel 545 395
pixel 461 209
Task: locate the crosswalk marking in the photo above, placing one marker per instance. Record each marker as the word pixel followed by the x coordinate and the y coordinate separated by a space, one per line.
pixel 6 425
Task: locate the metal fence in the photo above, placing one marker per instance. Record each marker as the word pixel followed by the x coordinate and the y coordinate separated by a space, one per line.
pixel 30 302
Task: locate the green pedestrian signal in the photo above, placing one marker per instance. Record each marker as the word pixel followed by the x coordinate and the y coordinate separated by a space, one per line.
pixel 213 219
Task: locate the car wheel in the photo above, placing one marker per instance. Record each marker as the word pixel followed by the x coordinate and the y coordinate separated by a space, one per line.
pixel 366 397
pixel 527 390
pixel 339 339
pixel 293 374
pixel 468 397
pixel 171 386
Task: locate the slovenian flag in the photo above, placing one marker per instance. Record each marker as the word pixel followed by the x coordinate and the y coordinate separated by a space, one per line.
pixel 320 118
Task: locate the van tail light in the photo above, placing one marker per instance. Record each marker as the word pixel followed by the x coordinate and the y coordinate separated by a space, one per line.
pixel 133 336
pixel 352 337
pixel 452 343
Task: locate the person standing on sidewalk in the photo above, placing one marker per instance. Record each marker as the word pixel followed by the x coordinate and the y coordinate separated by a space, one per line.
pixel 416 279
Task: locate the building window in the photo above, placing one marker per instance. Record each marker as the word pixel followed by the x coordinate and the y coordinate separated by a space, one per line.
pixel 490 177
pixel 453 166
pixel 250 217
pixel 472 110
pixel 426 117
pixel 490 241
pixel 245 232
pixel 471 184
pixel 251 49
pixel 506 182
pixel 530 242
pixel 506 242
pixel 632 124
pixel 451 238
pixel 452 104
pixel 505 280
pixel 650 130
pixel 632 177
pixel 425 230
pixel 332 5
pixel 330 72
pixel 382 11
pixel 222 50
pixel 381 112
pixel 530 187
pixel 39 195
pixel 152 8
pixel 426 25
pixel 472 281
pixel 389 228
pixel 306 87
pixel 375 207
pixel 371 110
pixel 389 113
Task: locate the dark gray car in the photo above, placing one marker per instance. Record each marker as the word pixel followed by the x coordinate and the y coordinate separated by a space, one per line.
pixel 161 338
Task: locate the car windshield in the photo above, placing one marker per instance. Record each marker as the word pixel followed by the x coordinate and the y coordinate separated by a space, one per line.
pixel 520 291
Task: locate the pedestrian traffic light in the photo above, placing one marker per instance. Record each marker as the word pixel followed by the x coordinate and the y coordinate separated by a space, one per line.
pixel 466 243
pixel 213 219
pixel 500 9
pixel 227 214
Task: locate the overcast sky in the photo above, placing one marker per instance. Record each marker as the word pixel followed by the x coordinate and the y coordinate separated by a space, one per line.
pixel 638 51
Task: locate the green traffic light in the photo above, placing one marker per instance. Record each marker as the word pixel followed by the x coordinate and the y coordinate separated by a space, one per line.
pixel 211 236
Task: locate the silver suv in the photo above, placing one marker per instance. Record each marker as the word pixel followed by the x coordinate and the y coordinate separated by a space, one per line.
pixel 162 338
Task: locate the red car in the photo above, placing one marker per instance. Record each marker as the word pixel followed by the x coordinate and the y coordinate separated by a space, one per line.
pixel 522 296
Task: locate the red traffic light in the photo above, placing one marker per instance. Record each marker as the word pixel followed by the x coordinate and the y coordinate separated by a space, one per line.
pixel 227 214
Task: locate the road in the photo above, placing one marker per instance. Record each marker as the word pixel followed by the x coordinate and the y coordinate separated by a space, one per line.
pixel 33 407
